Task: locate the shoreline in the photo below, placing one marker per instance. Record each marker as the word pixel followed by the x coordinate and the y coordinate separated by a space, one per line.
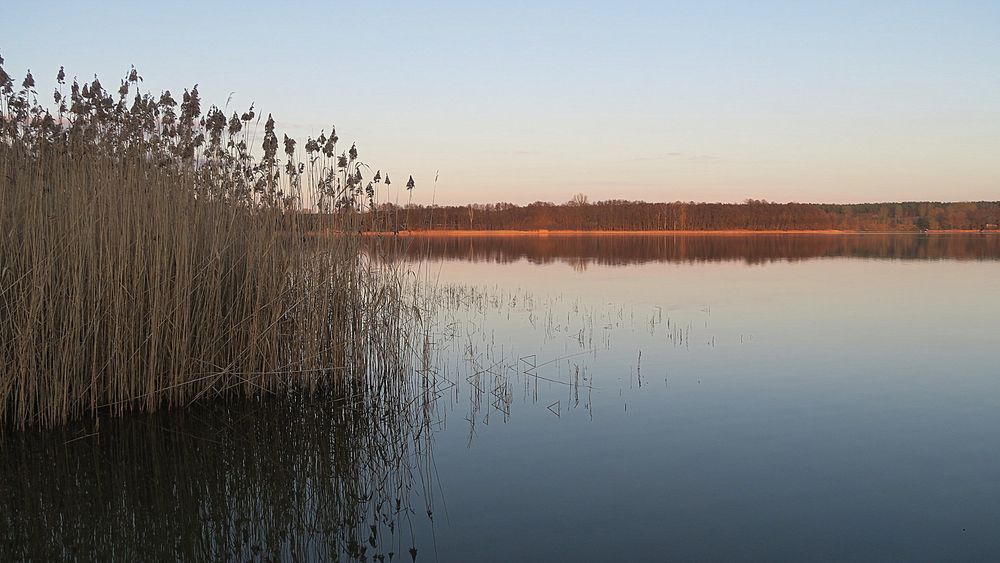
pixel 728 232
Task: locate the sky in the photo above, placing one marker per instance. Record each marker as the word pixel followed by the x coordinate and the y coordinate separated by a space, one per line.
pixel 515 101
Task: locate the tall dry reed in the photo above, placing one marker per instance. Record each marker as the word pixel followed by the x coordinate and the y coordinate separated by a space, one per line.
pixel 150 257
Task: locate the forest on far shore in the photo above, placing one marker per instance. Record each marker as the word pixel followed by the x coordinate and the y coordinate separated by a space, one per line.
pixel 759 215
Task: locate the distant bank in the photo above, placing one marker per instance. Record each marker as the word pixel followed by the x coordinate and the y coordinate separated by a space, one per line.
pixel 618 216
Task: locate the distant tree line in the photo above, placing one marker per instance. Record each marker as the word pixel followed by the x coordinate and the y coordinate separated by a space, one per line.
pixel 620 215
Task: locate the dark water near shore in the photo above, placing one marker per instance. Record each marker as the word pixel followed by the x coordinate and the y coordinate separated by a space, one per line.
pixel 760 397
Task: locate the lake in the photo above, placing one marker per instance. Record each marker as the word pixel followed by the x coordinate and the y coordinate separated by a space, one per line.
pixel 586 398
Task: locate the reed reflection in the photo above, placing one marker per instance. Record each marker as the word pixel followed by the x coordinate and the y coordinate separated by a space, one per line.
pixel 275 479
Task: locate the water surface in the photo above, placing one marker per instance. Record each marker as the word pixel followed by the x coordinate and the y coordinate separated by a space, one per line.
pixel 591 399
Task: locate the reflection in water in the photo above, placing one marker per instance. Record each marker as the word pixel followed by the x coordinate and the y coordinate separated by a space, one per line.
pixel 580 250
pixel 285 478
pixel 841 407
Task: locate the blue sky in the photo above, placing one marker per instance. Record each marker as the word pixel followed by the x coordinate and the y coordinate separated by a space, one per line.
pixel 524 101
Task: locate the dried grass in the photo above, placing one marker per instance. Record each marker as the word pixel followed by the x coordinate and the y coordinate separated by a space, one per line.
pixel 148 258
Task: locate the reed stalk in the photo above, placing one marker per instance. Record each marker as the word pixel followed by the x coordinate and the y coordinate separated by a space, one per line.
pixel 149 257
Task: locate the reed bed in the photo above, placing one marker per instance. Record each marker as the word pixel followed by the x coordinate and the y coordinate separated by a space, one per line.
pixel 151 256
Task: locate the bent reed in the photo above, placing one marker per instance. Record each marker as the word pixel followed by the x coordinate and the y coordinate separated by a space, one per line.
pixel 148 258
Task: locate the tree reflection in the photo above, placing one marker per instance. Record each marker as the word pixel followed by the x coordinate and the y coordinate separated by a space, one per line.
pixel 581 250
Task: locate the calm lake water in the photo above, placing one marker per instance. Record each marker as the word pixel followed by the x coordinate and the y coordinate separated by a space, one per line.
pixel 780 398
